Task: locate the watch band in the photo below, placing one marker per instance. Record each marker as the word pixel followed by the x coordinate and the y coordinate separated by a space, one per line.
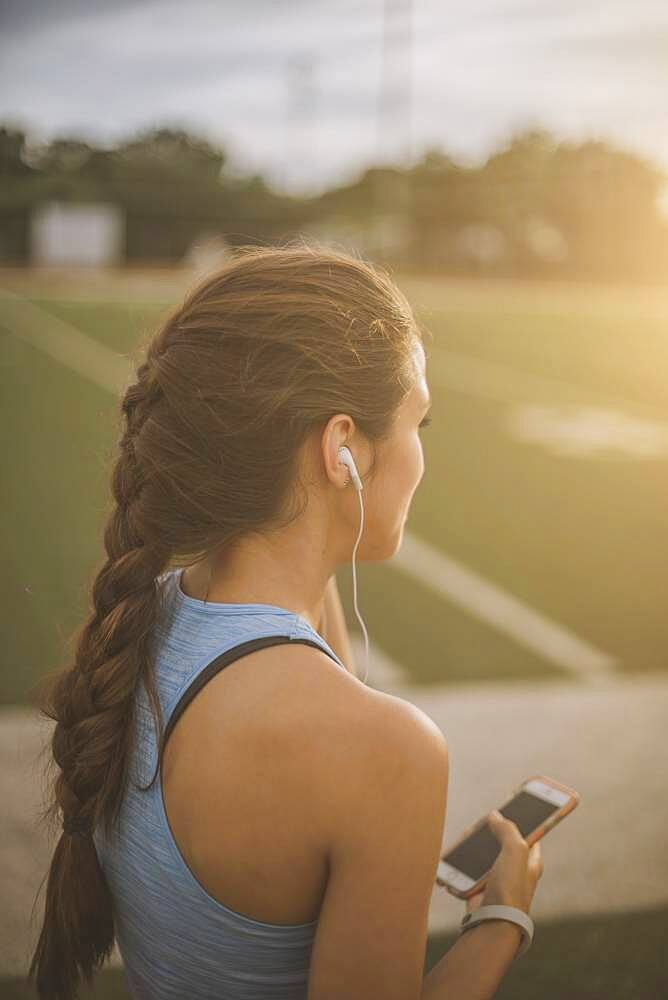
pixel 497 912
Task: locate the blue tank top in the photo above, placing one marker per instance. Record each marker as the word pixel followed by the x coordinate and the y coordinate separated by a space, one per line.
pixel 176 940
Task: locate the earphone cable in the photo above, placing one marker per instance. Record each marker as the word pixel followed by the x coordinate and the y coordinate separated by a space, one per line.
pixel 359 617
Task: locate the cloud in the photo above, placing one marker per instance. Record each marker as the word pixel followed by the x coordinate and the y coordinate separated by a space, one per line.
pixel 232 70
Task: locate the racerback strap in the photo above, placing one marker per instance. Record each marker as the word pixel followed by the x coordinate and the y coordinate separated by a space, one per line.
pixel 222 661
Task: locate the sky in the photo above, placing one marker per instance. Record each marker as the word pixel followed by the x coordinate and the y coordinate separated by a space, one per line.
pixel 293 89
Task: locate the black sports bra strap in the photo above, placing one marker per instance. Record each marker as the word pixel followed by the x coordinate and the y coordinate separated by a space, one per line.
pixel 222 661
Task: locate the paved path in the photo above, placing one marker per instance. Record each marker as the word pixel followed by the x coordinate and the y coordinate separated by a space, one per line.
pixel 608 742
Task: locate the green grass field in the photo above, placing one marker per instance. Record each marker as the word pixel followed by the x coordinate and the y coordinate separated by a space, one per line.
pixel 574 530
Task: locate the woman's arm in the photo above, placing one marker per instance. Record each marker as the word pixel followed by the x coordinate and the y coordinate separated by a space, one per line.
pixel 333 627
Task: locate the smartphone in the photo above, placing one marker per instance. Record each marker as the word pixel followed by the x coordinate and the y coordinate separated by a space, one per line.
pixel 536 806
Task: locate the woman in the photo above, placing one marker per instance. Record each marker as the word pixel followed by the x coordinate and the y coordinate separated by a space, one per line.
pixel 283 841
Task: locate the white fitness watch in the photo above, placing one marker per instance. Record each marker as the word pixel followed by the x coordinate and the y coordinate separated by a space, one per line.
pixel 496 912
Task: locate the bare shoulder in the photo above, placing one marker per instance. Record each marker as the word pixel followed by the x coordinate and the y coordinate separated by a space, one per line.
pixel 324 733
pixel 338 702
pixel 315 703
pixel 352 738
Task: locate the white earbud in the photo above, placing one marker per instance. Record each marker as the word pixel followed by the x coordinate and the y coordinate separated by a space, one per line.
pixel 347 459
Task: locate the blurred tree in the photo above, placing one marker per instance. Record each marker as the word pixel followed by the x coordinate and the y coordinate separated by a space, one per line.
pixel 605 202
pixel 535 207
pixel 61 156
pixel 16 175
pixel 12 152
pixel 172 152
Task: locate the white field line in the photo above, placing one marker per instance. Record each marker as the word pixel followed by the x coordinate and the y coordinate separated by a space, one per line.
pixel 491 604
pixel 492 380
pixel 384 673
pixel 64 343
pixel 67 345
pixel 449 370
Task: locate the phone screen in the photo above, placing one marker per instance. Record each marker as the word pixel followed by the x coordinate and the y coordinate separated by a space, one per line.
pixel 476 855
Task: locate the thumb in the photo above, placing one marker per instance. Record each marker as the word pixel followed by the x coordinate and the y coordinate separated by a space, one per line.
pixel 501 826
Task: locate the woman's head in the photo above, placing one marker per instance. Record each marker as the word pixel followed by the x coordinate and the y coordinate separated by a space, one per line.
pixel 280 349
pixel 273 361
pixel 290 565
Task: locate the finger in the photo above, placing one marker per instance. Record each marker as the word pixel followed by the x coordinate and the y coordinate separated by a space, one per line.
pixel 473 902
pixel 505 830
pixel 536 859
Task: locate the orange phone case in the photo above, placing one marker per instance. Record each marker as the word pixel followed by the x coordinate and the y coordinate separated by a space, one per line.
pixel 535 835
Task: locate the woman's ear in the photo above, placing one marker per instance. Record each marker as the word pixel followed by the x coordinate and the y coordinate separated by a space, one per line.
pixel 336 434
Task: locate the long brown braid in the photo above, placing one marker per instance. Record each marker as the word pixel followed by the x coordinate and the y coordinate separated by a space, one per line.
pixel 92 705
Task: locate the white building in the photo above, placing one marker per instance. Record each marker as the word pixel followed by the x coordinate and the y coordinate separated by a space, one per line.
pixel 75 234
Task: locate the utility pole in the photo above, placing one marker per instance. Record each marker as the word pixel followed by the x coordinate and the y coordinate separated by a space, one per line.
pixel 392 195
pixel 300 118
pixel 396 98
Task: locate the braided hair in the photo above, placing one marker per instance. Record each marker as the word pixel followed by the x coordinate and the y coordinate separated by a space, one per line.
pixel 92 705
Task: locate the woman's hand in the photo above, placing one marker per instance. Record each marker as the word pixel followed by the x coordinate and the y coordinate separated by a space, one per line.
pixel 513 876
